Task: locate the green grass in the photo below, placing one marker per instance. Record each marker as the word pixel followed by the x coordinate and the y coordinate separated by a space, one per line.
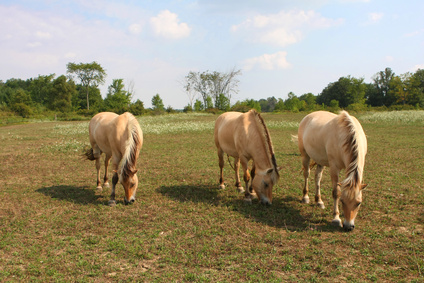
pixel 55 226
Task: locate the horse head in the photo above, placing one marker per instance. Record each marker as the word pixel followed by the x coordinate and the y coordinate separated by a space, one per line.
pixel 351 199
pixel 262 184
pixel 130 183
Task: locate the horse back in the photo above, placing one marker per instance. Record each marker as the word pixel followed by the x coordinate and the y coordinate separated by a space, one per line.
pixel 101 130
pixel 317 134
pixel 225 130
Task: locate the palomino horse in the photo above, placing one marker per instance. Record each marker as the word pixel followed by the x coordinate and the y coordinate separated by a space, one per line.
pixel 244 137
pixel 339 142
pixel 120 138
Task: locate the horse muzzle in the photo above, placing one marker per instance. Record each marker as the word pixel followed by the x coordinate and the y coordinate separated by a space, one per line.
pixel 131 201
pixel 265 201
pixel 347 226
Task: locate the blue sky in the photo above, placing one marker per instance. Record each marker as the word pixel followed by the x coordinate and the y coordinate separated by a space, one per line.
pixel 280 46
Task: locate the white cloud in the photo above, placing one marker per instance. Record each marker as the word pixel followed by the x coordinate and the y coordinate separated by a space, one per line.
pixel 417 67
pixel 268 62
pixel 283 28
pixel 374 18
pixel 167 25
pixel 135 29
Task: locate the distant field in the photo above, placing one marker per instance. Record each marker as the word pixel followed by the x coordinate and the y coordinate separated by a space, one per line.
pixel 55 226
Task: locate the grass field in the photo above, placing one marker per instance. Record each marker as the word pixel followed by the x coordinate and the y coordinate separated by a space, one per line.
pixel 55 226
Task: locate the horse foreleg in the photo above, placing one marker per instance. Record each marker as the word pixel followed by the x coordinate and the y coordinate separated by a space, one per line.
pixel 221 167
pixel 318 176
pixel 306 171
pixel 246 178
pixel 252 176
pixel 237 169
pixel 115 179
pixel 105 179
pixel 336 197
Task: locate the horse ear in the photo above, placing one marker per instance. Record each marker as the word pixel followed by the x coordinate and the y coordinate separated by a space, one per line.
pixel 363 186
pixel 279 168
pixel 135 171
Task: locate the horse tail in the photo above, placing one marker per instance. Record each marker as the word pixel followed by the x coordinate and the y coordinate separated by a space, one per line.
pixel 89 154
pixel 295 139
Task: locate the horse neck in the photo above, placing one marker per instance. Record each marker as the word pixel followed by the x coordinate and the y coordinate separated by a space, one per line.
pixel 264 157
pixel 356 156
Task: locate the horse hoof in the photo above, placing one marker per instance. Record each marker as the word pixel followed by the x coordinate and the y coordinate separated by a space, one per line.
pixel 240 190
pixel 247 201
pixel 106 185
pixel 321 205
pixel 112 202
pixel 222 187
pixel 99 189
pixel 305 200
pixel 337 222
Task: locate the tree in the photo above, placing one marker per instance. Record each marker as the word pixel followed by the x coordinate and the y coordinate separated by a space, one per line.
pixel 137 108
pixel 40 88
pixel 157 103
pixel 222 102
pixel 382 82
pixel 90 75
pixel 212 85
pixel 198 106
pixel 117 99
pixel 60 98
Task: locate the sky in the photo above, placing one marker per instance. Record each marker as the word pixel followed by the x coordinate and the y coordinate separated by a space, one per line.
pixel 280 46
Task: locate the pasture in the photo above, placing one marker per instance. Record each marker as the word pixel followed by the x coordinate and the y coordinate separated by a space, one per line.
pixel 55 226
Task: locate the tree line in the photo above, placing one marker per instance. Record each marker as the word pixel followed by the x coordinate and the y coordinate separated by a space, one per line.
pixel 78 92
pixel 386 91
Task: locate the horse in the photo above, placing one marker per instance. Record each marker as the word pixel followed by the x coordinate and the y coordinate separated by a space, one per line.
pixel 338 142
pixel 245 136
pixel 120 138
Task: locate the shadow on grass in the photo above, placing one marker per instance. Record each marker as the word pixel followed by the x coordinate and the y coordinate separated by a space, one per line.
pixel 79 195
pixel 281 214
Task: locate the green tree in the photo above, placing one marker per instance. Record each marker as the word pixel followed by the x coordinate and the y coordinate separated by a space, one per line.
pixel 382 82
pixel 40 88
pixel 222 102
pixel 198 106
pixel 20 102
pixel 89 74
pixel 117 99
pixel 61 93
pixel 157 103
pixel 137 108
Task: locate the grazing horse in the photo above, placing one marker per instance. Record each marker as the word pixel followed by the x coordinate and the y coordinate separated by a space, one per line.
pixel 338 142
pixel 244 137
pixel 120 138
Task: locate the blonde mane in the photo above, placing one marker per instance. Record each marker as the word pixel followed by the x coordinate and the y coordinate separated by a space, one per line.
pixel 268 143
pixel 127 166
pixel 350 146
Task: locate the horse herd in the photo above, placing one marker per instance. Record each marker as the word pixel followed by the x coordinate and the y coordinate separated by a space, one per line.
pixel 324 139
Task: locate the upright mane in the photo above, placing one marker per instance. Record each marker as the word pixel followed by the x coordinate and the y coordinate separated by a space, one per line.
pixel 127 166
pixel 350 146
pixel 268 142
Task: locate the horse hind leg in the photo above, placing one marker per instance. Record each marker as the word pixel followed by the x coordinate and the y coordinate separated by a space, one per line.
pixel 318 176
pixel 105 179
pixel 306 170
pixel 96 154
pixel 221 168
pixel 236 169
